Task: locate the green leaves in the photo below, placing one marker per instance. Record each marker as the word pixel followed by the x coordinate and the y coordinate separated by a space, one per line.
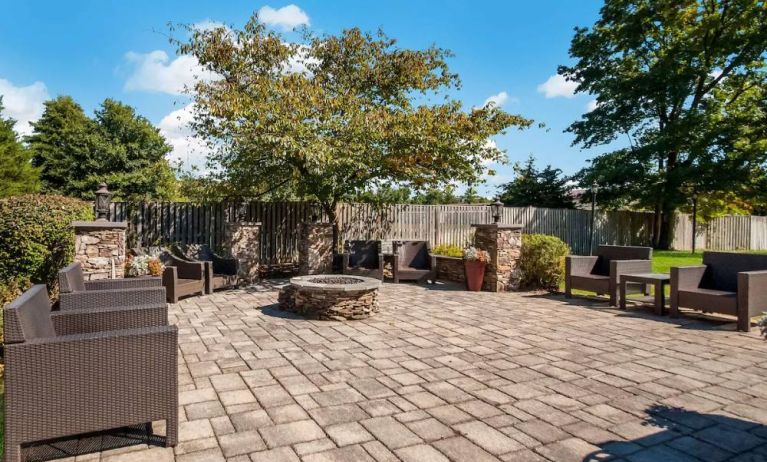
pixel 333 116
pixel 16 170
pixel 685 84
pixel 538 188
pixel 75 153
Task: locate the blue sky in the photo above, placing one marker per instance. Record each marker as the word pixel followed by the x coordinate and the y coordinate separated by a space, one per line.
pixel 93 50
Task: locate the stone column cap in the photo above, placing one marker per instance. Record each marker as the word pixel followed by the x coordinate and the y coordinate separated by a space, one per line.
pixel 243 223
pixel 100 224
pixel 497 226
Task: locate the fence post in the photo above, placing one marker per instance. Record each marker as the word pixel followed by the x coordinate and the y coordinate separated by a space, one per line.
pixel 436 225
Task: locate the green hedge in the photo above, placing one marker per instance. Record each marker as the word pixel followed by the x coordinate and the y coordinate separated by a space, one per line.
pixel 542 262
pixel 36 239
pixel 447 250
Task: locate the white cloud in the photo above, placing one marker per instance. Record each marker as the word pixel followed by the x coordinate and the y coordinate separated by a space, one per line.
pixel 498 100
pixel 208 24
pixel 591 105
pixel 155 71
pixel 25 104
pixel 557 86
pixel 286 18
pixel 187 148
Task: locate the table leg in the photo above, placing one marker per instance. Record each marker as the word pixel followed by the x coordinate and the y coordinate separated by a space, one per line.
pixel 658 298
pixel 622 283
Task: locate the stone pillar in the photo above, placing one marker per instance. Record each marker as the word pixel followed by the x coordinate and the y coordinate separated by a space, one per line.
pixel 504 244
pixel 315 249
pixel 243 239
pixel 100 248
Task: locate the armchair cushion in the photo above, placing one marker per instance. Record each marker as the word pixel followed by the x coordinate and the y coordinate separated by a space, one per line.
pixel 71 278
pixel 609 253
pixel 362 254
pixel 414 254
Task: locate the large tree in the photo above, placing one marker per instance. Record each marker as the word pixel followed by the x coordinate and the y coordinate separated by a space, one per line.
pixel 683 84
pixel 118 146
pixel 537 188
pixel 334 116
pixel 17 175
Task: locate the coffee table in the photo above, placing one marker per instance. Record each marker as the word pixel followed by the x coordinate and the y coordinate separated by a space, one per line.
pixel 658 280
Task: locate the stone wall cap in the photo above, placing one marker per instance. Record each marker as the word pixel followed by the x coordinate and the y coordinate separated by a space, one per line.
pixel 498 225
pixel 243 223
pixel 99 224
pixel 305 283
pixel 448 257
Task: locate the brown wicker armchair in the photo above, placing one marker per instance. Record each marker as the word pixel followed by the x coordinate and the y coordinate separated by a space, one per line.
pixel 727 283
pixel 363 258
pixel 413 261
pixel 75 293
pixel 220 272
pixel 601 273
pixel 63 379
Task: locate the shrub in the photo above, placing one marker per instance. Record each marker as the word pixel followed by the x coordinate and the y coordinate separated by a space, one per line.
pixel 542 262
pixel 447 250
pixel 36 239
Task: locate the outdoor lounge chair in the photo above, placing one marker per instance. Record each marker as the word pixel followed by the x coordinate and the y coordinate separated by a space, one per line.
pixel 75 293
pixel 413 261
pixel 727 283
pixel 220 272
pixel 180 277
pixel 601 273
pixel 363 258
pixel 63 380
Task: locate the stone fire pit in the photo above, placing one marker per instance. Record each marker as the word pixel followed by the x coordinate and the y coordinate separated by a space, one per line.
pixel 331 297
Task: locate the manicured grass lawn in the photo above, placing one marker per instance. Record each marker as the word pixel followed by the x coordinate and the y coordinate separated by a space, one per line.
pixel 663 260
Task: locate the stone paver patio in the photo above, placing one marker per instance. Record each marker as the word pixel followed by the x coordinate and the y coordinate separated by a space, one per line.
pixel 444 375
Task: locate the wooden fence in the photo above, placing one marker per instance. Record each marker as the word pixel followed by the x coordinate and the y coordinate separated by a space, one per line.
pixel 152 223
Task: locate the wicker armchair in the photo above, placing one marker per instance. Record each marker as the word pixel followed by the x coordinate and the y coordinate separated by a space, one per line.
pixel 63 379
pixel 220 272
pixel 363 258
pixel 728 283
pixel 413 261
pixel 76 294
pixel 601 273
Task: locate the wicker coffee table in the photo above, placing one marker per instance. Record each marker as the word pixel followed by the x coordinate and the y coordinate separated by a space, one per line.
pixel 658 280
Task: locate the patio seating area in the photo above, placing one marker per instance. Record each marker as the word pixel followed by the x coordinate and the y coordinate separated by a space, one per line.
pixel 442 374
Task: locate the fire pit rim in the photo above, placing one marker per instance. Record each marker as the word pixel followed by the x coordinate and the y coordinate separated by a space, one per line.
pixel 305 283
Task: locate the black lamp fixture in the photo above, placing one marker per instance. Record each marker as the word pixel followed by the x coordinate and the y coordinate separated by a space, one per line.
pixel 314 211
pixel 103 198
pixel 497 208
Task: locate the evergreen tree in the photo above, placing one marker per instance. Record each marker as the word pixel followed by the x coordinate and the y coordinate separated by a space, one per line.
pixel 537 188
pixel 119 147
pixel 17 175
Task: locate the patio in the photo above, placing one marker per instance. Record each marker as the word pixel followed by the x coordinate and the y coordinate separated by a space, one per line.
pixel 441 374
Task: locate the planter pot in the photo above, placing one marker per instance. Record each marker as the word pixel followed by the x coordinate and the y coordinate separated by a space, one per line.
pixel 475 274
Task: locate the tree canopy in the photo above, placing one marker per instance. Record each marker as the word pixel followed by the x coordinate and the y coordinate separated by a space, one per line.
pixel 335 116
pixel 684 84
pixel 532 187
pixel 118 146
pixel 16 170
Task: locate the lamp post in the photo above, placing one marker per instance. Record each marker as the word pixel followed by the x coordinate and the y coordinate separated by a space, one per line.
pixel 103 198
pixel 496 208
pixel 694 218
pixel 594 190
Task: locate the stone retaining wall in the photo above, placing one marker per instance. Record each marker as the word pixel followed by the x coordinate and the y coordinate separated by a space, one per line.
pixel 450 269
pixel 504 244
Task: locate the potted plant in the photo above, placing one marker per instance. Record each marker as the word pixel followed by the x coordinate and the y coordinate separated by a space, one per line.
pixel 145 265
pixel 474 262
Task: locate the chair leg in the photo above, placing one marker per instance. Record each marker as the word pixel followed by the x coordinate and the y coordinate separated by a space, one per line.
pixel 171 431
pixel 744 322
pixel 568 289
pixel 12 451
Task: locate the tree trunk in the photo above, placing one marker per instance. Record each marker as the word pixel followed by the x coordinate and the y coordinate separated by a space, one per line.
pixel 666 235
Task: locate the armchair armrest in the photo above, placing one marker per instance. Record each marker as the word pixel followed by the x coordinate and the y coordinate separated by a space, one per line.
pixel 752 292
pixel 111 298
pixel 381 264
pixel 345 258
pixel 579 264
pixel 432 261
pixel 123 283
pixel 686 277
pixel 84 321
